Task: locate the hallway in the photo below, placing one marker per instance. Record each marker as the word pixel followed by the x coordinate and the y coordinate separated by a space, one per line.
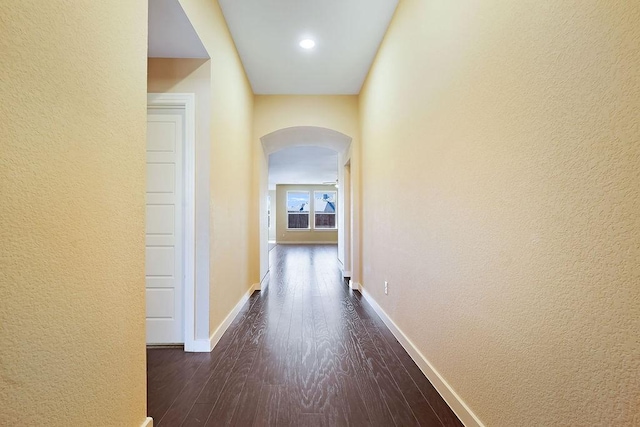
pixel 305 351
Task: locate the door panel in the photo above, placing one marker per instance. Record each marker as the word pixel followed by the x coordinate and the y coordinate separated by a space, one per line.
pixel 160 219
pixel 160 304
pixel 160 137
pixel 164 227
pixel 161 178
pixel 161 261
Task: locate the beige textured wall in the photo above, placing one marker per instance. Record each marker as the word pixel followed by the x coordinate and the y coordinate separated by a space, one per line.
pixel 275 112
pixel 501 200
pixel 72 180
pixel 233 267
pixel 184 75
pixel 289 236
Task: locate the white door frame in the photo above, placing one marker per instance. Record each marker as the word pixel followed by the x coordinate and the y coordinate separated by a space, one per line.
pixel 186 101
pixel 347 222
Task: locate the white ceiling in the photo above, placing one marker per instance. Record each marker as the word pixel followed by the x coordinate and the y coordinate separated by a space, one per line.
pixel 347 35
pixel 303 165
pixel 170 32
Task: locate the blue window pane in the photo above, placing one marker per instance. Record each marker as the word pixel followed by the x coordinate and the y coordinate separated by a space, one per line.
pixel 298 201
pixel 325 201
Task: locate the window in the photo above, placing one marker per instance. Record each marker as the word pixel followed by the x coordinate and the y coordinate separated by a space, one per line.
pixel 324 208
pixel 298 210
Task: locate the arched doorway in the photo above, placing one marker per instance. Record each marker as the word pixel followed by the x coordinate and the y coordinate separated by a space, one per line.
pixel 311 136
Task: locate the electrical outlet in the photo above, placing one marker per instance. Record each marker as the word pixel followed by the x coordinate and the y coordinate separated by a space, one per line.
pixel 386 287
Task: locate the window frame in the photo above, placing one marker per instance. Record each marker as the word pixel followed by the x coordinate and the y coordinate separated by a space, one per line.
pixel 335 213
pixel 302 213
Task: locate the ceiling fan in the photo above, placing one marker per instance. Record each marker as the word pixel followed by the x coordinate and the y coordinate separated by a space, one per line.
pixel 334 183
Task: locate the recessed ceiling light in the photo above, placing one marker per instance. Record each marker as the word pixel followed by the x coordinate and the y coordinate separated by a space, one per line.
pixel 307 44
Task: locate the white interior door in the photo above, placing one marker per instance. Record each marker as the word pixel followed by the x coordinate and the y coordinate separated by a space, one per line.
pixel 164 227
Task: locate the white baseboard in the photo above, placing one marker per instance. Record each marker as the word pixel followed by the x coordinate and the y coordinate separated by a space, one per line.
pixel 147 423
pixel 346 274
pixel 206 346
pixel 449 395
pixel 355 286
pixel 308 243
pixel 199 346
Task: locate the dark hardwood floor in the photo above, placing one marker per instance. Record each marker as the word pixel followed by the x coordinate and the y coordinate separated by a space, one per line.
pixel 306 351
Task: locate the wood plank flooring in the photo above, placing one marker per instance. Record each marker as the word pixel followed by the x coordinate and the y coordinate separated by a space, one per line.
pixel 307 351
